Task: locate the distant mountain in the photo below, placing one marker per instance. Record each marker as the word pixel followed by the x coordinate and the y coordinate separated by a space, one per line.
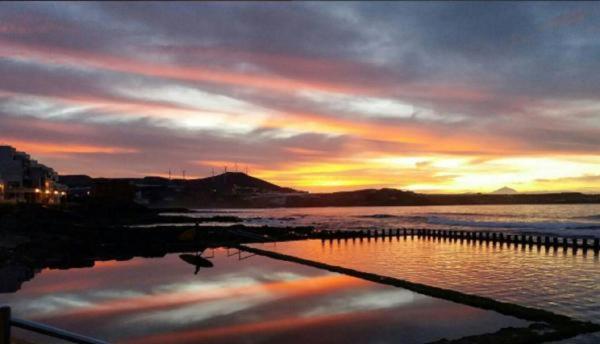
pixel 505 191
pixel 230 181
pixel 227 189
pixel 367 197
pixel 225 182
pixel 236 189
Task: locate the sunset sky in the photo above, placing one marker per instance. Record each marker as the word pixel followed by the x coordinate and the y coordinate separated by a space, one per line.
pixel 431 97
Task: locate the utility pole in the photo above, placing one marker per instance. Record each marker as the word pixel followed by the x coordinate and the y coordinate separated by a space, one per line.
pixel 169 174
pixel 183 174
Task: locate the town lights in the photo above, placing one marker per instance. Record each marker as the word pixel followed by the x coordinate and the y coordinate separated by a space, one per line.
pixel 38 190
pixel 63 193
pixel 47 192
pixel 55 192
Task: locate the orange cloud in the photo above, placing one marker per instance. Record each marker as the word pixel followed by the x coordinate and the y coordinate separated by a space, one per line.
pixel 46 148
pixel 65 56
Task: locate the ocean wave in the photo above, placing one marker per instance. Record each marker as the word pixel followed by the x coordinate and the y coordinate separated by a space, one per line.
pixel 473 214
pixel 379 216
pixel 543 225
pixel 591 217
pixel 398 218
pixel 215 211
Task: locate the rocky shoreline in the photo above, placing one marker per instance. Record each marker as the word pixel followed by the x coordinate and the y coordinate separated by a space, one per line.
pixel 34 238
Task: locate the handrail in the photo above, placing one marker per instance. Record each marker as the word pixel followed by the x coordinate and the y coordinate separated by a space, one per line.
pixel 54 332
pixel 41 329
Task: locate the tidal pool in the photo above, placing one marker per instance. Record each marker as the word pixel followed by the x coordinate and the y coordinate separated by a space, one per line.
pixel 555 280
pixel 241 299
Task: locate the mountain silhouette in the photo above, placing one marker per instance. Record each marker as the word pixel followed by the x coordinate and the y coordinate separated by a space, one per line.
pixel 505 191
pixel 230 181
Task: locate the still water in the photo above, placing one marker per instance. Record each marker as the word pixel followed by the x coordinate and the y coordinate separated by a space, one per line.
pixel 241 299
pixel 563 219
pixel 554 280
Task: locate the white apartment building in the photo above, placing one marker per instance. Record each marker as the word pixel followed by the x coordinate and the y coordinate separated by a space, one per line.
pixel 23 179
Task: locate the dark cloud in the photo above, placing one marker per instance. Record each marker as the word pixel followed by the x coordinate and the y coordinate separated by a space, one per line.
pixel 487 72
pixel 150 149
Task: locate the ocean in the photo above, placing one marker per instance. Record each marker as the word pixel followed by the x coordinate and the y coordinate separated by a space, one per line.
pixel 564 219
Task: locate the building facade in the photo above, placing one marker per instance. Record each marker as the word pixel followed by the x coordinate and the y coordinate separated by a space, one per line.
pixel 24 180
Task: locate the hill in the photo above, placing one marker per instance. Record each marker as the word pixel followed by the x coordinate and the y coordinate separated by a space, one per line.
pixel 236 189
pixel 505 191
pixel 236 181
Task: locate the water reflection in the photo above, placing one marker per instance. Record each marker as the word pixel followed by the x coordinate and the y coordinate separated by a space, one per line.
pixel 196 260
pixel 13 276
pixel 240 299
pixel 564 281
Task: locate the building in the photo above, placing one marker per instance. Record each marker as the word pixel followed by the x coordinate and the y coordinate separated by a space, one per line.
pixel 24 180
pixel 1 190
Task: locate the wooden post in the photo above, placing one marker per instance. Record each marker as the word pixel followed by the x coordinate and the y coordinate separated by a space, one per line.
pixel 596 244
pixel 4 325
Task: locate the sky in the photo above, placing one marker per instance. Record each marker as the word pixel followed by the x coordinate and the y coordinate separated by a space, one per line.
pixel 430 97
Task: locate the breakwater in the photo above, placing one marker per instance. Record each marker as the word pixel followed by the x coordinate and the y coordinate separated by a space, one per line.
pixel 549 241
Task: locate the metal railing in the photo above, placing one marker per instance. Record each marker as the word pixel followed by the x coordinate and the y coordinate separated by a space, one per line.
pixel 6 322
